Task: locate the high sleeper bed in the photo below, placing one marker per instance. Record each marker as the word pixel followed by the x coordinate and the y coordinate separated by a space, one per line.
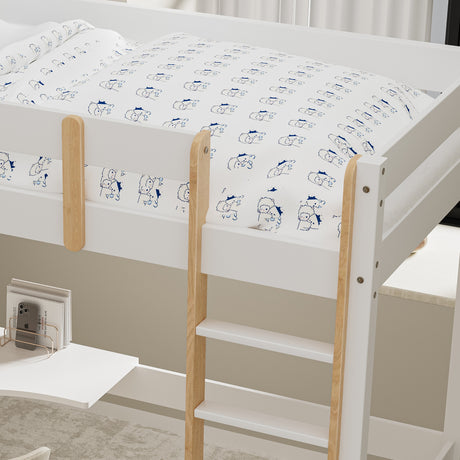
pixel 353 275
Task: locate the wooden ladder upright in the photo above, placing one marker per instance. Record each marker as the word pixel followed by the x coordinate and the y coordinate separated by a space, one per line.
pixel 199 328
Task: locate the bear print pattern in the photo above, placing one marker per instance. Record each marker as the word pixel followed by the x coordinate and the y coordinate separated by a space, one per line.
pixel 282 127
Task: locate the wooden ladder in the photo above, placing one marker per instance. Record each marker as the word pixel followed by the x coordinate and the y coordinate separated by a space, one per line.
pixel 199 328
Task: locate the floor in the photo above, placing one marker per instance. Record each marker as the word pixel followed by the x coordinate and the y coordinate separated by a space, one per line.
pixel 110 431
pixel 74 434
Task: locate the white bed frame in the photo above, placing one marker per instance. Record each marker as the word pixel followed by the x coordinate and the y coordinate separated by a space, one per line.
pixel 241 254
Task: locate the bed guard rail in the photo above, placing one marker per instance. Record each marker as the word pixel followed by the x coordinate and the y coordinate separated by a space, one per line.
pixel 108 143
pixel 75 140
pixel 412 148
pixel 436 133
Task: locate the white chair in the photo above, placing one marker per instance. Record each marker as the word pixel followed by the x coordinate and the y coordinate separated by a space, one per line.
pixel 42 453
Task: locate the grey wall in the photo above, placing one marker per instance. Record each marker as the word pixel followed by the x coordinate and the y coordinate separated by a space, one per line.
pixel 140 309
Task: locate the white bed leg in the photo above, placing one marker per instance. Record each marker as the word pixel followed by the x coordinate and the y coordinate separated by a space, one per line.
pixel 362 310
pixel 452 418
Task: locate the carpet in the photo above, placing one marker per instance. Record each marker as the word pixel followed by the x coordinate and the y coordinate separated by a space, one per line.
pixel 74 434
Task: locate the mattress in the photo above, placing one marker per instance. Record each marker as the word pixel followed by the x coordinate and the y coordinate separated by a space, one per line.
pixel 283 127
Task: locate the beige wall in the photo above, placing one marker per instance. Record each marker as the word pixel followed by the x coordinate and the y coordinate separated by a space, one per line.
pixel 139 309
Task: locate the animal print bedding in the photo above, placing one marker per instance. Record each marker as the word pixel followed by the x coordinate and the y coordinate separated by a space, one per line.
pixel 283 127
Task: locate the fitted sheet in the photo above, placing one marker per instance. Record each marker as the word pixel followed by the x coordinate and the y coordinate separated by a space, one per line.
pixel 283 127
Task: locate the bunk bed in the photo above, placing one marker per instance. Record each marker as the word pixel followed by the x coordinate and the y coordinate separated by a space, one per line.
pixel 369 252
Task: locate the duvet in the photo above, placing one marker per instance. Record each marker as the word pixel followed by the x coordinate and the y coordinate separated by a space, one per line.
pixel 283 127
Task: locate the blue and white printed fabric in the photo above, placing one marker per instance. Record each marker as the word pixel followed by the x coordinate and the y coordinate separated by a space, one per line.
pixel 283 127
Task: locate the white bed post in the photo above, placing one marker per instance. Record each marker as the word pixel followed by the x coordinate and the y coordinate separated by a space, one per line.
pixel 362 310
pixel 452 418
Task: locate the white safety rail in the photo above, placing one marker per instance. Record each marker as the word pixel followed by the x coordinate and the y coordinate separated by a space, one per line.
pixel 107 143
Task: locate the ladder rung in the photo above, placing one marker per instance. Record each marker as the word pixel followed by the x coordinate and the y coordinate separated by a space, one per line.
pixel 267 340
pixel 263 423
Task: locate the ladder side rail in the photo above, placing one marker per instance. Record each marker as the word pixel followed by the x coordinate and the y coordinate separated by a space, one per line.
pixel 196 295
pixel 362 312
pixel 341 312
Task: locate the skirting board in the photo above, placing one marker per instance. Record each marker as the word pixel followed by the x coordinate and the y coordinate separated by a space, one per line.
pixel 388 439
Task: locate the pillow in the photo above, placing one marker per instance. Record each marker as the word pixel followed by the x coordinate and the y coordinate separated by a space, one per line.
pixel 10 33
pixel 23 45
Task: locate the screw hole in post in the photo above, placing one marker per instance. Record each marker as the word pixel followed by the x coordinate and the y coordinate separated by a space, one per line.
pixel 381 203
pixel 206 150
pixel 375 295
pixel 377 264
pixel 366 189
pixel 360 279
pixel 383 171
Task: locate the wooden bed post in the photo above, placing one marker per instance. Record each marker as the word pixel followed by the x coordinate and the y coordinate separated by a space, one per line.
pixel 197 295
pixel 341 315
pixel 73 182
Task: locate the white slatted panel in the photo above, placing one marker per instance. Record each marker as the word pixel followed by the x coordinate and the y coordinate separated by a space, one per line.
pixel 302 12
pixel 228 8
pixel 396 18
pixel 269 10
pixel 207 6
pixel 266 10
pixel 286 11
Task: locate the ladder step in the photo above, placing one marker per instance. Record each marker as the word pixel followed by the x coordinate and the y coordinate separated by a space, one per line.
pixel 263 423
pixel 267 340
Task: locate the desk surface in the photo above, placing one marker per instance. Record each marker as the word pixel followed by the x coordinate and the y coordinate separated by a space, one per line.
pixel 77 375
pixel 429 275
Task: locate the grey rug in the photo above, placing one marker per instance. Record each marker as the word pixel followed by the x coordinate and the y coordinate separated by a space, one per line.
pixel 74 434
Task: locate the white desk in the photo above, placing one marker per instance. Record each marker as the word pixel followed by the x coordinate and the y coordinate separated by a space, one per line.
pixel 429 275
pixel 77 375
